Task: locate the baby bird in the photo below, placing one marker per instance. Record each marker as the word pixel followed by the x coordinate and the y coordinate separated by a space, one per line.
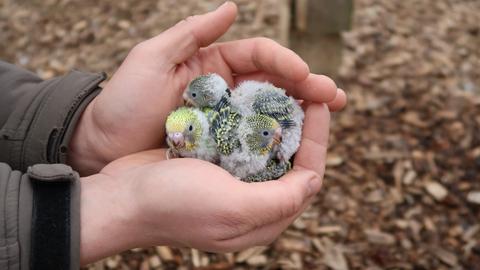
pixel 205 91
pixel 188 134
pixel 250 146
pixel 253 97
pixel 256 128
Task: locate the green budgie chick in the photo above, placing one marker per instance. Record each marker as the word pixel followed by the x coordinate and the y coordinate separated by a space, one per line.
pixel 205 91
pixel 188 134
pixel 255 139
pixel 253 97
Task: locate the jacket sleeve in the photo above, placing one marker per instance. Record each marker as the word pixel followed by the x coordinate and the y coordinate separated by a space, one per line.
pixel 37 117
pixel 16 216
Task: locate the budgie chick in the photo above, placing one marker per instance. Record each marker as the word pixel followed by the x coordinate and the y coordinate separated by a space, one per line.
pixel 188 134
pixel 258 138
pixel 205 91
pixel 253 97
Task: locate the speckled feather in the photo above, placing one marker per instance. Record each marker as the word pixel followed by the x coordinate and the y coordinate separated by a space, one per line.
pixel 224 126
pixel 279 107
pixel 273 170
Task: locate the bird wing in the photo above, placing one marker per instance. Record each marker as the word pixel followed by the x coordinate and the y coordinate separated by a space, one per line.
pixel 224 124
pixel 275 105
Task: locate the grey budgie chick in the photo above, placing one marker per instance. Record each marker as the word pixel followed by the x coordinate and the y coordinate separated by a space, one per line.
pixel 205 91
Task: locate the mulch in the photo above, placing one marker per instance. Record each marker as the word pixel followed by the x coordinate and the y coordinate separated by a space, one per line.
pixel 402 185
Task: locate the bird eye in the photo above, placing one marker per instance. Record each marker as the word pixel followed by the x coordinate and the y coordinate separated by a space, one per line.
pixel 194 94
pixel 265 133
pixel 190 128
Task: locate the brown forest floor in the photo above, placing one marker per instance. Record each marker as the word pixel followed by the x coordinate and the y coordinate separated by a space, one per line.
pixel 402 184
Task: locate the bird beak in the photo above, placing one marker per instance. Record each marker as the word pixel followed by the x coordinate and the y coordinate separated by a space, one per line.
pixel 187 99
pixel 277 136
pixel 176 139
pixel 189 102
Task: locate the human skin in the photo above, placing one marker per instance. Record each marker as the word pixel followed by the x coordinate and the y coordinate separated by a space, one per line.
pixel 129 114
pixel 144 200
pixel 141 200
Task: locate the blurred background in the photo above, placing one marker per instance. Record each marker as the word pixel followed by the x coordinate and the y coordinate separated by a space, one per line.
pixel 402 185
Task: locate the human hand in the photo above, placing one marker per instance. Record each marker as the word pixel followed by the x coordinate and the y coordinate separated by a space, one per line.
pixel 129 114
pixel 143 200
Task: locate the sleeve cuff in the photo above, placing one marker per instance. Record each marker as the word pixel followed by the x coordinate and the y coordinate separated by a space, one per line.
pixel 21 225
pixel 55 119
pixel 55 217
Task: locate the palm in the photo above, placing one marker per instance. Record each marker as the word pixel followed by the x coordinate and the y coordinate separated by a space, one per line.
pixel 220 206
pixel 310 156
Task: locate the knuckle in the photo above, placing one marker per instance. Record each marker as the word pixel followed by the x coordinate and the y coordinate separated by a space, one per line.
pixel 294 201
pixel 188 19
pixel 224 247
pixel 141 48
pixel 262 45
pixel 330 82
pixel 263 41
pixel 191 18
pixel 146 52
pixel 267 239
pixel 331 86
pixel 231 223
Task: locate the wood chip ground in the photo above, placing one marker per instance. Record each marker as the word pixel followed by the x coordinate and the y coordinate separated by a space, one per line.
pixel 402 184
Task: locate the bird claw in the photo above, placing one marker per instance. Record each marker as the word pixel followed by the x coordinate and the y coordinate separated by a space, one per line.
pixel 171 154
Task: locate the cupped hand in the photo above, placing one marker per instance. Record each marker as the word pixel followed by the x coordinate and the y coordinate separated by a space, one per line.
pixel 129 114
pixel 144 200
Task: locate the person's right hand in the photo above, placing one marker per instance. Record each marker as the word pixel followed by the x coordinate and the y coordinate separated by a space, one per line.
pixel 143 200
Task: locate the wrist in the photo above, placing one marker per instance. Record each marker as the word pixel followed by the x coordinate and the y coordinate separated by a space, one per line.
pixel 85 154
pixel 108 220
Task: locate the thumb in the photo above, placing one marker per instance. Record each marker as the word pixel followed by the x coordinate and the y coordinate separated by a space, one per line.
pixel 183 40
pixel 273 201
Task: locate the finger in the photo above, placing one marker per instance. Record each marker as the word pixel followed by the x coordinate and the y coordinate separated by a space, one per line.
pixel 272 201
pixel 262 54
pixel 312 152
pixel 315 88
pixel 185 38
pixel 135 160
pixel 339 102
pixel 304 104
pixel 261 236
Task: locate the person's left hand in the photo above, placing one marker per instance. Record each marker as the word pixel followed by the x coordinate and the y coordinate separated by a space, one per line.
pixel 142 200
pixel 129 114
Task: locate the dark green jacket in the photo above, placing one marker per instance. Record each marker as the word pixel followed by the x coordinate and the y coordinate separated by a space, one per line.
pixel 37 119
